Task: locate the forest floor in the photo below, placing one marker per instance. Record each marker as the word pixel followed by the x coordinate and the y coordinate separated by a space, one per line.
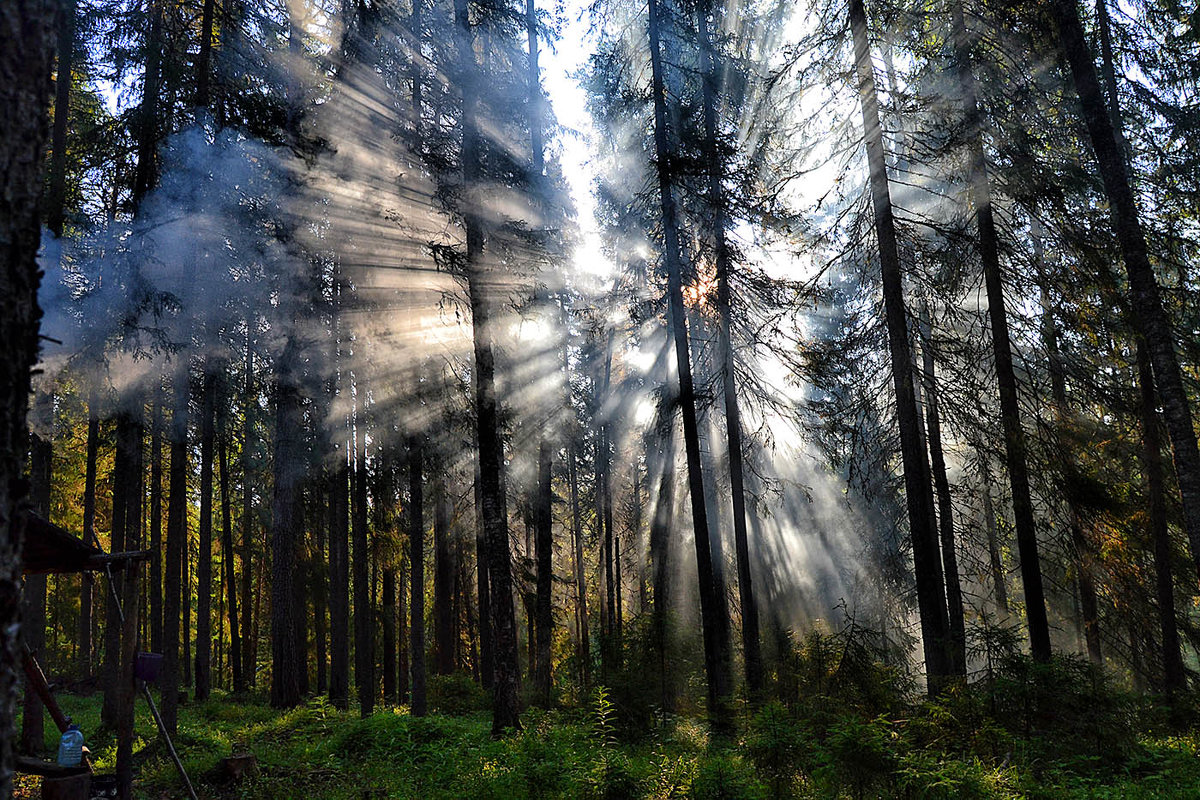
pixel 317 751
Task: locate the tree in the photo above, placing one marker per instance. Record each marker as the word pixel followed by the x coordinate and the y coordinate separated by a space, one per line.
pixel 1145 297
pixel 931 597
pixel 1014 435
pixel 715 623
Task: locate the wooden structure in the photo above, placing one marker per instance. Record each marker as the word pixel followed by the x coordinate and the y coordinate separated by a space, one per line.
pixel 47 548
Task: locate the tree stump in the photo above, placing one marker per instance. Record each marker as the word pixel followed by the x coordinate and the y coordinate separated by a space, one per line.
pixel 70 787
pixel 238 766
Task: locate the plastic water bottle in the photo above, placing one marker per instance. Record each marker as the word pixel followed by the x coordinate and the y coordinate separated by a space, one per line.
pixel 70 747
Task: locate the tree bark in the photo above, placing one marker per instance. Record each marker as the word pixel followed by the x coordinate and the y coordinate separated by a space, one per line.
pixel 931 597
pixel 364 616
pixel 1174 675
pixel 1015 446
pixel 177 502
pixel 204 579
pixel 156 540
pixel 339 579
pixel 487 669
pixel 24 96
pixel 416 559
pixel 506 689
pixel 147 118
pixel 544 551
pixel 945 504
pixel 443 580
pixel 57 190
pixel 660 557
pixel 250 402
pixel 33 601
pixel 235 644
pixel 717 655
pixel 127 528
pixel 87 582
pixel 204 60
pixel 581 608
pixel 390 696
pixel 719 223
pixel 287 649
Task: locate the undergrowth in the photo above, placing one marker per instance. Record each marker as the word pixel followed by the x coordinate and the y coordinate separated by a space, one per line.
pixel 835 722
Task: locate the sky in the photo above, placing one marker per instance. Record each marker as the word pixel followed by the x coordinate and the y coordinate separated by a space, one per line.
pixel 568 99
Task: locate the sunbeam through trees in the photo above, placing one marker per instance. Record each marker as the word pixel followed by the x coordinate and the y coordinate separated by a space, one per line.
pixel 679 398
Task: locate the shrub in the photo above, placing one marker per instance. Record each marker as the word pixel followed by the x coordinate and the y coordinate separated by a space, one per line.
pixel 612 777
pixel 456 694
pixel 857 755
pixel 775 744
pixel 724 777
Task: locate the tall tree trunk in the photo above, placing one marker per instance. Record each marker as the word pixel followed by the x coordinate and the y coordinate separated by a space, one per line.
pixel 945 504
pixel 660 557
pixel 148 116
pixel 443 579
pixel 204 60
pixel 717 655
pixel 1015 447
pixel 339 579
pixel 320 583
pixel 416 542
pixel 1087 605
pixel 204 581
pixel 33 601
pixel 931 597
pixel 719 222
pixel 487 668
pixel 390 696
pixel 287 649
pixel 544 550
pixel 24 96
pixel 581 608
pixel 87 582
pixel 177 502
pixel 250 403
pixel 1149 317
pixel 401 635
pixel 185 580
pixel 57 190
pixel 364 617
pixel 127 527
pixel 235 644
pixel 156 542
pixel 995 562
pixel 1174 675
pixel 506 689
pixel 123 483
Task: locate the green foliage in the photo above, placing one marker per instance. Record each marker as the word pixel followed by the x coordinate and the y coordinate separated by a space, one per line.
pixel 726 777
pixel 954 747
pixel 456 694
pixel 612 777
pixel 604 718
pixel 843 670
pixel 856 755
pixel 775 744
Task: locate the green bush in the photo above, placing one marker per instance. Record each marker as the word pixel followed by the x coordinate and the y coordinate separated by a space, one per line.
pixel 856 755
pixel 775 744
pixel 456 694
pixel 725 777
pixel 612 777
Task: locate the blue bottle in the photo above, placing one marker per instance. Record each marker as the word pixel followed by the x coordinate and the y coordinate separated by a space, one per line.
pixel 70 747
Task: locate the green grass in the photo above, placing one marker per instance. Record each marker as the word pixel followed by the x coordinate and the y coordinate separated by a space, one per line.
pixel 316 751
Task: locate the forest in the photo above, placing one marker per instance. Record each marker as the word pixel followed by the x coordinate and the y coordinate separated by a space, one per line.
pixel 611 399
